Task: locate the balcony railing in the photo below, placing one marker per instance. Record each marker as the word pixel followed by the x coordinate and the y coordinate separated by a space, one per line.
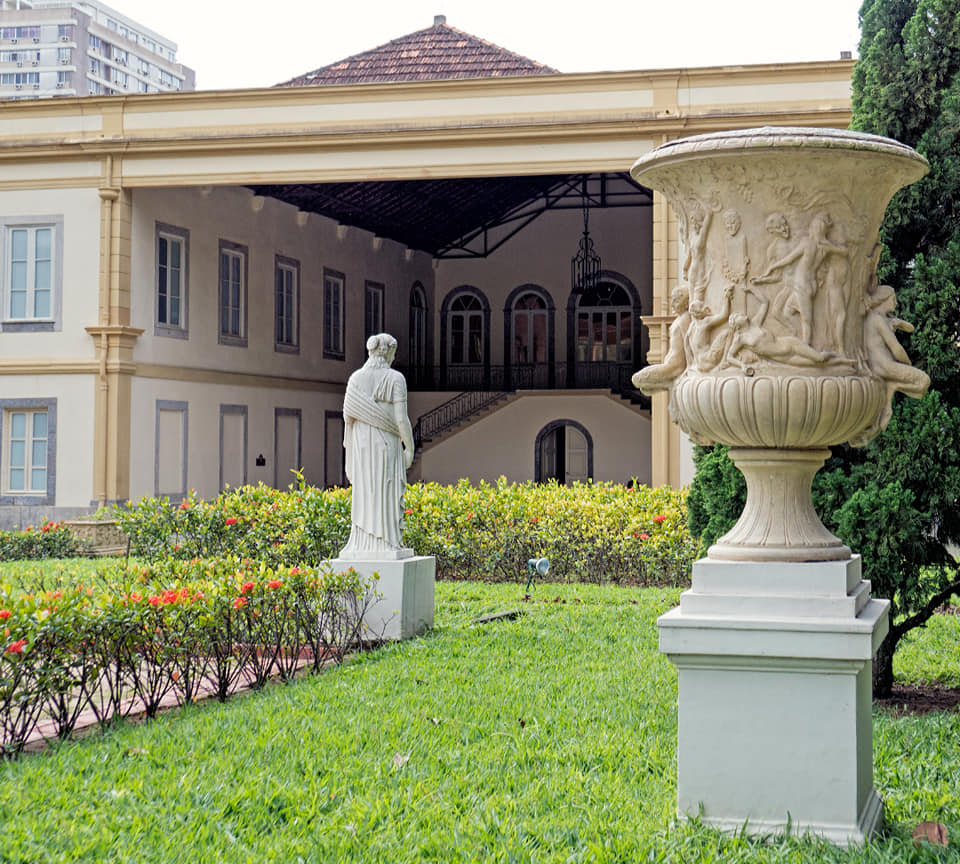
pixel 605 375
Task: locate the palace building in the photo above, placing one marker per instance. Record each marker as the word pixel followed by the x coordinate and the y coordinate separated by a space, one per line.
pixel 188 278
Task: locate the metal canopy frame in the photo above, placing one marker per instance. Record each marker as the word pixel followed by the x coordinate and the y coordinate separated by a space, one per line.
pixel 458 218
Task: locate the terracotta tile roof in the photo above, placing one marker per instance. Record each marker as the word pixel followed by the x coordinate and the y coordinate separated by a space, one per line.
pixel 438 52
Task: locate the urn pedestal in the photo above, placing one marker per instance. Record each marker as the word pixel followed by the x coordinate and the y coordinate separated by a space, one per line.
pixel 783 344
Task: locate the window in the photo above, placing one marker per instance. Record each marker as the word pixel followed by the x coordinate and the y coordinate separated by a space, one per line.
pixel 333 314
pixel 417 352
pixel 604 325
pixel 94 67
pixel 95 43
pixel 32 273
pixel 530 329
pixel 26 461
pixel 173 246
pixel 28 436
pixel 119 77
pixel 372 308
pixel 93 88
pixel 63 78
pixel 65 32
pixel 466 330
pixel 63 54
pixel 287 304
pixel 143 67
pixel 233 293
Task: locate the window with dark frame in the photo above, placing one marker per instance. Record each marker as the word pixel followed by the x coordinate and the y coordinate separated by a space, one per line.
pixel 372 308
pixel 233 293
pixel 333 314
pixel 287 303
pixel 171 308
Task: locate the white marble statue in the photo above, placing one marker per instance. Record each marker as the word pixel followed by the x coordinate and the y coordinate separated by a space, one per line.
pixel 379 443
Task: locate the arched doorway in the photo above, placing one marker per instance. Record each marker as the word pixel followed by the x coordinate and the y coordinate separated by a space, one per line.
pixel 563 452
pixel 528 331
pixel 603 333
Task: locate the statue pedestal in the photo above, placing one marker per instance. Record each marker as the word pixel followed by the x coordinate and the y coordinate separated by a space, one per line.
pixel 774 668
pixel 404 608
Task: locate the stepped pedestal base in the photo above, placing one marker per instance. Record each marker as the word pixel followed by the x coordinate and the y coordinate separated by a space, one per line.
pixel 404 605
pixel 774 667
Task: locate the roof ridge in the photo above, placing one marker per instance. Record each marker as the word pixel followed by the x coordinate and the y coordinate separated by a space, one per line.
pixel 418 37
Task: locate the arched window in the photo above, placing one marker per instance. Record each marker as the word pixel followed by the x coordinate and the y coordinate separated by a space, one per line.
pixel 563 452
pixel 418 332
pixel 604 324
pixel 529 329
pixel 465 325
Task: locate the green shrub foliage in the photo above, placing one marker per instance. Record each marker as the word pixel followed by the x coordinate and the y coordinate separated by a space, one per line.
pixel 143 634
pixel 49 540
pixel 592 532
pixel 895 501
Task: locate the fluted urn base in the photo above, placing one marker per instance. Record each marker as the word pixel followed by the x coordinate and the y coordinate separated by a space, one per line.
pixel 778 522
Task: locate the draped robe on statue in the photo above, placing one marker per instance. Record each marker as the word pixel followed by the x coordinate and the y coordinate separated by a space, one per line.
pixel 375 463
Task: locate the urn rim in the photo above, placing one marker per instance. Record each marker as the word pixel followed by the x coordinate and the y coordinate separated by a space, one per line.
pixel 809 139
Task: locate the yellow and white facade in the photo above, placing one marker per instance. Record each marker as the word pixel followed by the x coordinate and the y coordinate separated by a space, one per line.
pixel 164 328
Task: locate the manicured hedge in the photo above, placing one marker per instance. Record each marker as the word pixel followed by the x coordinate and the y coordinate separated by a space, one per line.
pixel 49 540
pixel 591 532
pixel 140 633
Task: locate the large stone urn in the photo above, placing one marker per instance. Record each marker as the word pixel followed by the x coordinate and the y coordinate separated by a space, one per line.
pixel 783 344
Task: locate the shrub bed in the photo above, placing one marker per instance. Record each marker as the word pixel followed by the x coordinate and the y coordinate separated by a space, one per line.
pixel 592 532
pixel 49 540
pixel 141 633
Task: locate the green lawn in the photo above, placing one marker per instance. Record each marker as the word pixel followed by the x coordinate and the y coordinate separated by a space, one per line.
pixel 546 738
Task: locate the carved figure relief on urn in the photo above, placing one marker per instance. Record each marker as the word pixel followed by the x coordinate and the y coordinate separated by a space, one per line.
pixel 784 343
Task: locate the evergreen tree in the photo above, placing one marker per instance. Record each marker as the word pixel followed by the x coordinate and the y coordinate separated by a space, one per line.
pixel 897 500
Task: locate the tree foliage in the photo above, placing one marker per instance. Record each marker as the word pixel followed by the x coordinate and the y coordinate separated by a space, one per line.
pixel 895 501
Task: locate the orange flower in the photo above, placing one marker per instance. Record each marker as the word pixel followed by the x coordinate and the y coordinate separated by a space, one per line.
pixel 644 536
pixel 240 601
pixel 230 520
pixel 659 518
pixel 16 647
pixel 275 583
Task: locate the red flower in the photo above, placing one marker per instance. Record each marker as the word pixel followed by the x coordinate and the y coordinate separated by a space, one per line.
pixel 4 614
pixel 276 583
pixel 408 512
pixel 534 519
pixel 231 520
pixel 185 506
pixel 644 536
pixel 240 601
pixel 659 518
pixel 171 596
pixel 134 597
pixel 295 571
pixel 16 647
pixel 155 601
pixel 247 586
pixel 636 533
pixel 471 514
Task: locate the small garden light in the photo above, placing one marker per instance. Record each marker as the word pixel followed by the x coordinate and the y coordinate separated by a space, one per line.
pixel 536 566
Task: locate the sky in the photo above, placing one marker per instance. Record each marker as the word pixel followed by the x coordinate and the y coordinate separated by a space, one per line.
pixel 244 44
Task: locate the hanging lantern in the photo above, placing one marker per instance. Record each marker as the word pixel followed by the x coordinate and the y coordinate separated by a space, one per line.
pixel 585 265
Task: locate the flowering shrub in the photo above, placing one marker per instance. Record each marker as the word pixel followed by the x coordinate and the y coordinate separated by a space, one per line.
pixel 179 627
pixel 49 540
pixel 590 532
